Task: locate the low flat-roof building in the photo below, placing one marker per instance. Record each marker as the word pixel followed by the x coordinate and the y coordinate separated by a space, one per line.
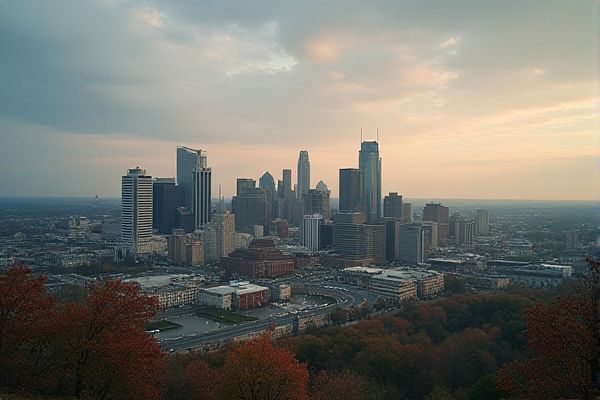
pixel 238 295
pixel 399 283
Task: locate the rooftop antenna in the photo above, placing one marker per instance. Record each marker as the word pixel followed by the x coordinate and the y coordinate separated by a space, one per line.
pixel 361 135
pixel 377 135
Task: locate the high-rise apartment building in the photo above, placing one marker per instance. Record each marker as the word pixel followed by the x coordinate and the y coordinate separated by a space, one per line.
pixel 303 174
pixel 482 223
pixel 316 202
pixel 350 189
pixel 437 213
pixel 166 199
pixel 431 235
pixel 310 231
pixel 369 164
pixel 462 229
pixel 412 244
pixel 392 205
pixel 185 249
pixel 224 225
pixel 136 211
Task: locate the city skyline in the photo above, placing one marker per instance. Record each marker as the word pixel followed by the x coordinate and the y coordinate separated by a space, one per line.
pixel 465 95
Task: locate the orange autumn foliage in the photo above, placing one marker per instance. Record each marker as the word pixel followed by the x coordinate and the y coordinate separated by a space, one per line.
pixel 260 371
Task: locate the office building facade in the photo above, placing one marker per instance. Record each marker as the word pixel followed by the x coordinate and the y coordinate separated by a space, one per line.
pixel 317 202
pixel 136 211
pixel 310 232
pixel 438 213
pixel 303 174
pixel 166 199
pixel 350 190
pixel 412 244
pixel 369 164
pixel 392 205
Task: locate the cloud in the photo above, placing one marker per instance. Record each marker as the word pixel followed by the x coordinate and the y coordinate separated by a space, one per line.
pixel 284 76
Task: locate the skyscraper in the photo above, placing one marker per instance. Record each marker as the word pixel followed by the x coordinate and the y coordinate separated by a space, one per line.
pixel 267 183
pixel 224 225
pixel 202 197
pixel 392 238
pixel 392 205
pixel 166 200
pixel 316 202
pixel 309 234
pixel 412 244
pixel 354 239
pixel 244 183
pixel 136 211
pixel 188 161
pixel 287 184
pixel 437 213
pixel 350 189
pixel 303 174
pixel 322 186
pixel 250 209
pixel 369 164
pixel 482 222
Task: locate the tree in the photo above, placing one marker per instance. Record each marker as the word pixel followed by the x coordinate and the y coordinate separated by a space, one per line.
pixel 563 336
pixel 203 380
pixel 109 354
pixel 259 371
pixel 338 316
pixel 25 320
pixel 348 385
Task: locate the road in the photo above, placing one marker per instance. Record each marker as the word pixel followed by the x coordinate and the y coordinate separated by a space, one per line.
pixel 344 299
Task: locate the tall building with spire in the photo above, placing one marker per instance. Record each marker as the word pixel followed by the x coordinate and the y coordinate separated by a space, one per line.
pixel 136 211
pixel 303 174
pixel 369 164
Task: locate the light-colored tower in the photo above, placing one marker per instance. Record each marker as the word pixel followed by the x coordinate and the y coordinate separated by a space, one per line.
pixel 311 225
pixel 136 211
pixel 303 174
pixel 482 222
pixel 224 225
pixel 369 164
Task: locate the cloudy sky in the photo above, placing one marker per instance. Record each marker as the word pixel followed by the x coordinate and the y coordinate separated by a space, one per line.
pixel 472 99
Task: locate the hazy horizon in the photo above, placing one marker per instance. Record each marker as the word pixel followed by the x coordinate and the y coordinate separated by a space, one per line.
pixel 493 101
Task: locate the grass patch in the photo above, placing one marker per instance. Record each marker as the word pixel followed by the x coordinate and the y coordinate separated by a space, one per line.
pixel 219 315
pixel 162 325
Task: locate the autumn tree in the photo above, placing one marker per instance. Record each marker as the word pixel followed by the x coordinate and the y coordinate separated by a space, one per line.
pixel 25 320
pixel 565 343
pixel 349 385
pixel 258 370
pixel 108 352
